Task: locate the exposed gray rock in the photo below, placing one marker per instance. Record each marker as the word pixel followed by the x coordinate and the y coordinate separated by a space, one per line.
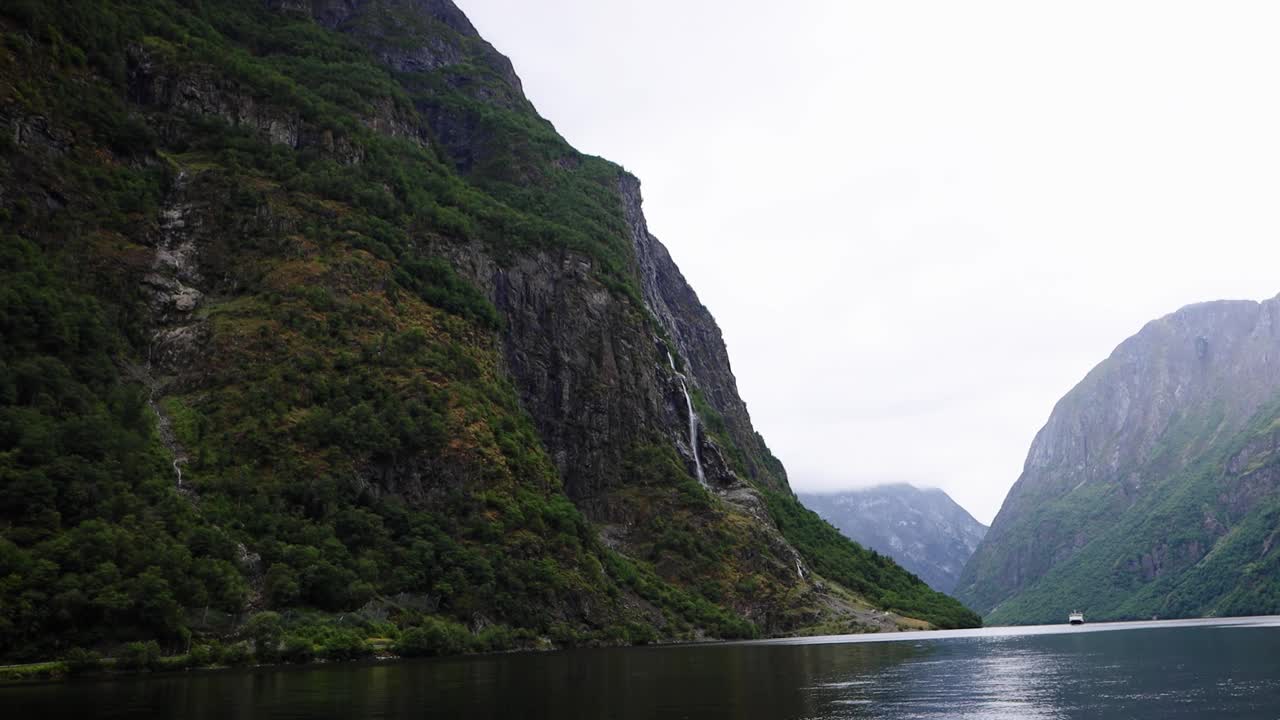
pixel 395 30
pixel 198 91
pixel 676 308
pixel 923 529
pixel 1167 398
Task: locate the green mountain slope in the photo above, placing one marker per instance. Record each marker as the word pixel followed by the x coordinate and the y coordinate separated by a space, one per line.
pixel 1153 488
pixel 304 310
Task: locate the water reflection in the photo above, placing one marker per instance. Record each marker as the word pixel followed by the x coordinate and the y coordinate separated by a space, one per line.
pixel 1172 672
pixel 1176 672
pixel 997 681
pixel 685 682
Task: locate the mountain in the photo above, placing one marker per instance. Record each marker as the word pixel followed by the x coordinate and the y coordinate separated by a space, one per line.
pixel 311 327
pixel 1154 488
pixel 924 530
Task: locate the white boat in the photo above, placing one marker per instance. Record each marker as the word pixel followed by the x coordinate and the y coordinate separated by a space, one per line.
pixel 1076 618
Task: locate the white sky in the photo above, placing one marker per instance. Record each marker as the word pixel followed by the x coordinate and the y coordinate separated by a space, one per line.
pixel 920 223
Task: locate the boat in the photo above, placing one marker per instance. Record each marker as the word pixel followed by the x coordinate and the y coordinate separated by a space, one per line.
pixel 1076 617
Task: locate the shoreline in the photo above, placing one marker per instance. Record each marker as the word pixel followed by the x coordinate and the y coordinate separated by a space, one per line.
pixel 59 671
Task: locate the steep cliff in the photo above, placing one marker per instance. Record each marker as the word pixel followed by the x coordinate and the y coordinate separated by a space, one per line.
pixel 1152 489
pixel 308 310
pixel 922 529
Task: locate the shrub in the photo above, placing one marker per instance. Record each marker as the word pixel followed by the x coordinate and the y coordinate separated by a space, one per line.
pixel 434 637
pixel 641 634
pixel 265 632
pixel 173 662
pixel 564 635
pixel 297 650
pixel 80 661
pixel 202 656
pixel 501 637
pixel 236 654
pixel 139 656
pixel 343 645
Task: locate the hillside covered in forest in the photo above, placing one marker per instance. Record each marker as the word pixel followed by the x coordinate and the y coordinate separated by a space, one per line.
pixel 316 339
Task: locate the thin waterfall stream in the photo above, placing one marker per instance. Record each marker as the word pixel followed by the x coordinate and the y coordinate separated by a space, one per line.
pixel 693 422
pixel 164 427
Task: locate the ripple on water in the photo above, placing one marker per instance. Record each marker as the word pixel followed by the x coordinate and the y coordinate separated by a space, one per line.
pixel 1017 683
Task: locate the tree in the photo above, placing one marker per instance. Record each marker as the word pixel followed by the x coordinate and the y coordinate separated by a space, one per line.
pixel 265 632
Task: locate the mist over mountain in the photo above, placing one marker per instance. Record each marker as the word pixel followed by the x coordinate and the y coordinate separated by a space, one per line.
pixel 923 529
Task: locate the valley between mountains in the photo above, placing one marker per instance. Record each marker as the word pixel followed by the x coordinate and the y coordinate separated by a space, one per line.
pixel 318 342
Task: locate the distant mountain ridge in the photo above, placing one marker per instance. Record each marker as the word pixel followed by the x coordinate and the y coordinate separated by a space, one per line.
pixel 923 529
pixel 1154 487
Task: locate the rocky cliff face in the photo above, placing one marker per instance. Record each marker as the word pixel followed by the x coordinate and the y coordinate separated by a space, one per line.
pixel 924 530
pixel 600 372
pixel 1144 478
pixel 413 354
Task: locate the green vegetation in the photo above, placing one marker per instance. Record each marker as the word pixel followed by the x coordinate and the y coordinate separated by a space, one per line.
pixel 866 572
pixel 95 544
pixel 359 472
pixel 346 351
pixel 34 672
pixel 876 578
pixel 1182 552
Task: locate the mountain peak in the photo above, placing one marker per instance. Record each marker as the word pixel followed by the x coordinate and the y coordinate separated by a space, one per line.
pixel 1134 470
pixel 921 528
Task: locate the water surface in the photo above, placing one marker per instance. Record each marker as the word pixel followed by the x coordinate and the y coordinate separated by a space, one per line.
pixel 1180 669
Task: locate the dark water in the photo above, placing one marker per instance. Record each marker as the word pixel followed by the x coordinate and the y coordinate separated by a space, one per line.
pixel 1197 669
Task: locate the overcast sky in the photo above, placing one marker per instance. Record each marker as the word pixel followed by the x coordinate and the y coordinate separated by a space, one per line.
pixel 920 223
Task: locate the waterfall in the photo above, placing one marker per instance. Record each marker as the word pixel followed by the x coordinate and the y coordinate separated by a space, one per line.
pixel 693 434
pixel 163 426
pixel 693 422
